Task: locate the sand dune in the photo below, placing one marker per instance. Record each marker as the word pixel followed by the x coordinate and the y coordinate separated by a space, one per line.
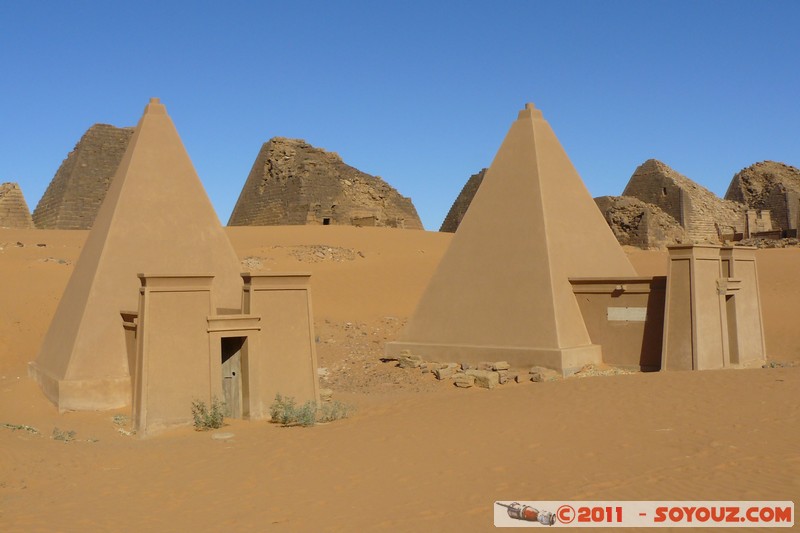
pixel 417 454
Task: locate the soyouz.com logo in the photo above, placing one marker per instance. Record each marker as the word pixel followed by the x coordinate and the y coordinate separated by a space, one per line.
pixel 644 514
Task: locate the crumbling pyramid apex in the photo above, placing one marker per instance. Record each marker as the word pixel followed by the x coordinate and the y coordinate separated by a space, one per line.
pixel 14 212
pixel 750 185
pixel 770 186
pixel 460 206
pixel 704 215
pixel 637 223
pixel 76 192
pixel 294 183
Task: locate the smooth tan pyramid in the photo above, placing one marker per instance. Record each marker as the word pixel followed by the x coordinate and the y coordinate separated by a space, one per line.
pixel 156 217
pixel 502 290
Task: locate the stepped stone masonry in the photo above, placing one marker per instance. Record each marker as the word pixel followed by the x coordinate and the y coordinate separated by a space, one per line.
pixel 294 183
pixel 704 216
pixel 636 223
pixel 14 212
pixel 460 206
pixel 772 187
pixel 73 197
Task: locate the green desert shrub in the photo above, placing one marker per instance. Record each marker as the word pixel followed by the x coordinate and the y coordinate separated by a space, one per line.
pixel 65 436
pixel 205 418
pixel 334 410
pixel 285 411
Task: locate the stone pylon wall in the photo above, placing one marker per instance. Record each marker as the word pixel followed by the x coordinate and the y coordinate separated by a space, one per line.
pixel 73 197
pixel 14 212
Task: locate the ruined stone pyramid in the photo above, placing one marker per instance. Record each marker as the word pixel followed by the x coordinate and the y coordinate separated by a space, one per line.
pixel 698 210
pixel 292 182
pixel 73 197
pixel 155 219
pixel 460 206
pixel 637 223
pixel 769 185
pixel 14 212
pixel 502 290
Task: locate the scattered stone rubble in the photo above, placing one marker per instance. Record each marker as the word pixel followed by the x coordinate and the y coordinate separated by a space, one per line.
pixel 315 253
pixel 491 374
pixel 310 253
pixel 764 242
pixel 640 224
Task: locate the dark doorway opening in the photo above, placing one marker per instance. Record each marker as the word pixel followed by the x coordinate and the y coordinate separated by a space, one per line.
pixel 326 221
pixel 233 374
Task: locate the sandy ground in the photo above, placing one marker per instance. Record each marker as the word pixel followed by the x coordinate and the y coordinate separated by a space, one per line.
pixel 417 454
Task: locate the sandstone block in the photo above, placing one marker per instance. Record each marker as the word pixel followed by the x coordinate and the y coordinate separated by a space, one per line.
pixel 444 373
pixel 409 360
pixel 485 378
pixel 464 380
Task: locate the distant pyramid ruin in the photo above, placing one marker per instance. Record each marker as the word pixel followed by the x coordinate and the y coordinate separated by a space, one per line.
pixel 460 206
pixel 637 223
pixel 771 186
pixel 73 197
pixel 703 215
pixel 14 212
pixel 660 206
pixel 294 183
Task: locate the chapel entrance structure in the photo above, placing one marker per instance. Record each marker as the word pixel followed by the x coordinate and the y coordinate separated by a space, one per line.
pixel 162 339
pixel 534 276
pixel 502 290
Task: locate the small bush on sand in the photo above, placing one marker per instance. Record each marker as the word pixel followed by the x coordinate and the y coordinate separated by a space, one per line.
pixel 65 436
pixel 334 410
pixel 205 418
pixel 284 411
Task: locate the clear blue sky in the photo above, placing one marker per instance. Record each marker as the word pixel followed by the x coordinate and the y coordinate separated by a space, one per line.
pixel 419 93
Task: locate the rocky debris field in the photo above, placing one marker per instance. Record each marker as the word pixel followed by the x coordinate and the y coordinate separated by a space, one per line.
pixel 350 354
pixel 760 242
pixel 312 253
pixel 350 358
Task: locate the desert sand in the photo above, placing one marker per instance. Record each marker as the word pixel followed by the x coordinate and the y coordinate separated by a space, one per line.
pixel 417 454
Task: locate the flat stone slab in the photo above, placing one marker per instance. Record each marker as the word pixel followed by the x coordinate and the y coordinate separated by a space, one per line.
pixel 222 436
